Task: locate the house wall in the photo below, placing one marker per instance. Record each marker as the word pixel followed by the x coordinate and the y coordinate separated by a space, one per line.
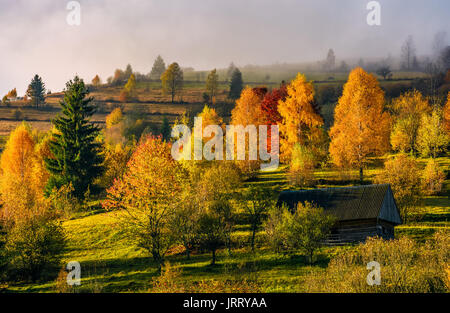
pixel 358 231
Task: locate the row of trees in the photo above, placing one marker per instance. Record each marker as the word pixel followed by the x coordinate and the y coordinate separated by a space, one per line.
pixel 36 169
pixel 408 58
pixel 35 92
pixel 194 204
pixel 172 80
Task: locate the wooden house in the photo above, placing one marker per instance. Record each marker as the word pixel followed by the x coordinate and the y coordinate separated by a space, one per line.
pixel 360 211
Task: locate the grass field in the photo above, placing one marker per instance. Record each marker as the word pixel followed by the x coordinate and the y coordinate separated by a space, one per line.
pixel 112 263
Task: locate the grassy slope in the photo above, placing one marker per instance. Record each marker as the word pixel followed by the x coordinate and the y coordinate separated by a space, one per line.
pixel 114 263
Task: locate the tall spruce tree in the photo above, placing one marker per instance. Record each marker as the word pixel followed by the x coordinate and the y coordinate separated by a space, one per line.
pixel 236 84
pixel 158 68
pixel 77 157
pixel 36 90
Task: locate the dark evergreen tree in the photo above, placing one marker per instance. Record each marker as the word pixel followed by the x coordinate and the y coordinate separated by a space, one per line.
pixel 236 84
pixel 230 70
pixel 128 72
pixel 77 157
pixel 165 129
pixel 159 67
pixel 36 90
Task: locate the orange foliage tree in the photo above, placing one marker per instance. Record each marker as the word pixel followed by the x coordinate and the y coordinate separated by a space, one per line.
pixel 248 112
pixel 20 179
pixel 148 193
pixel 361 126
pixel 299 115
pixel 96 80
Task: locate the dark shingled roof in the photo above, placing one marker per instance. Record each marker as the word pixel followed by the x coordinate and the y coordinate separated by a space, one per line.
pixel 348 203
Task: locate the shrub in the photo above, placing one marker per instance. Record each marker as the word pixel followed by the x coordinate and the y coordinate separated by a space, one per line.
pixel 61 285
pixel 114 118
pixel 305 228
pixel 124 96
pixel 62 201
pixel 432 178
pixel 275 228
pixel 34 247
pixel 404 266
pixel 403 174
pixel 170 282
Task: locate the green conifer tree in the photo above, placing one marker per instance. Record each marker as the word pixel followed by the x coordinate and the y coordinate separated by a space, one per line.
pixel 36 90
pixel 236 84
pixel 77 157
pixel 165 129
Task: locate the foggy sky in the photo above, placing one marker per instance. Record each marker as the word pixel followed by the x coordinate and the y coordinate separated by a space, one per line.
pixel 204 34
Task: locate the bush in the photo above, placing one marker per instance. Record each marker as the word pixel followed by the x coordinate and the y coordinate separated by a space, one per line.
pixel 432 178
pixel 114 118
pixel 403 174
pixel 34 248
pixel 170 282
pixel 305 228
pixel 62 201
pixel 404 266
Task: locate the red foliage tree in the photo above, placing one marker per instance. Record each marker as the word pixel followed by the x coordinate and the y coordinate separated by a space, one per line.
pixel 269 105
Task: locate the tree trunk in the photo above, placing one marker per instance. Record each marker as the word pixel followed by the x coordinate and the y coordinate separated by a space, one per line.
pixel 361 175
pixel 252 243
pixel 213 261
pixel 188 253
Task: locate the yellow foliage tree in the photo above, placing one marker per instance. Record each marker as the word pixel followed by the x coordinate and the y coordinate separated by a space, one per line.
pixel 40 174
pixel 17 163
pixel 114 118
pixel 210 117
pixel 361 126
pixel 130 86
pixel 432 178
pixel 447 115
pixel 409 109
pixel 299 116
pixel 431 138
